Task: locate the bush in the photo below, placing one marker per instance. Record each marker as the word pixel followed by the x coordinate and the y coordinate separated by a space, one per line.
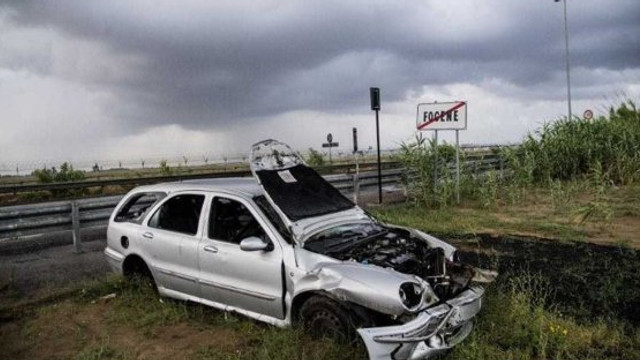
pixel 570 148
pixel 165 169
pixel 419 160
pixel 601 152
pixel 65 174
pixel 315 158
pixel 515 324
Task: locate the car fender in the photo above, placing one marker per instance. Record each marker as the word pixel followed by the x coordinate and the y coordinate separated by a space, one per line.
pixel 370 286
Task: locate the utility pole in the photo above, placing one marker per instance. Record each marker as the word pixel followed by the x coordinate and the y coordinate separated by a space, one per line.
pixel 568 60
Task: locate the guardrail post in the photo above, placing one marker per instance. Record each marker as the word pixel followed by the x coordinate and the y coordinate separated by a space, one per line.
pixel 75 223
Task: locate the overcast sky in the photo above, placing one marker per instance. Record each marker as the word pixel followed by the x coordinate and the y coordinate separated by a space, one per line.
pixel 109 80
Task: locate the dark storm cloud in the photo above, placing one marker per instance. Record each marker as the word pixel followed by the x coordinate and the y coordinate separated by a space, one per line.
pixel 216 64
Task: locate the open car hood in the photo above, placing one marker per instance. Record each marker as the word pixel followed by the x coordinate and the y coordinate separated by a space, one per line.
pixel 295 190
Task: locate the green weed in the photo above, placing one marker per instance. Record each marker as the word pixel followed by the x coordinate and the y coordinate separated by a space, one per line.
pixel 515 324
pixel 598 153
pixel 315 158
pixel 100 352
pixel 569 148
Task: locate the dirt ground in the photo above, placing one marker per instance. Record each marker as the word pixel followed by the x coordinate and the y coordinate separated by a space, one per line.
pixel 586 281
pixel 64 330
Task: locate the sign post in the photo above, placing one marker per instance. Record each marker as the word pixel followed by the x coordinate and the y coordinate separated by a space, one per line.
pixel 375 105
pixel 330 144
pixel 435 168
pixel 443 116
pixel 457 166
pixel 356 177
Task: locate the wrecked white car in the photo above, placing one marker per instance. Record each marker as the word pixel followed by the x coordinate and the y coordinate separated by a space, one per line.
pixel 287 247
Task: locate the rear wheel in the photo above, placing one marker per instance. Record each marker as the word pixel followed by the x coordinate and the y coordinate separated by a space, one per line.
pixel 323 317
pixel 137 272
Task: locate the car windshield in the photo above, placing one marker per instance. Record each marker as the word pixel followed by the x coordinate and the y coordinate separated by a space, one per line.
pixel 342 237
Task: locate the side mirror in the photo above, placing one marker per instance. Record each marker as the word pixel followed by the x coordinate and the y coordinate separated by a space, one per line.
pixel 254 243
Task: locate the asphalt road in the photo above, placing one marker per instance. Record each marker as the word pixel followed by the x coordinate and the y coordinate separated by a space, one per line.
pixel 41 273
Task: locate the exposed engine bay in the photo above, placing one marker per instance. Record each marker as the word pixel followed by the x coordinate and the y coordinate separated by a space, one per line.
pixel 394 248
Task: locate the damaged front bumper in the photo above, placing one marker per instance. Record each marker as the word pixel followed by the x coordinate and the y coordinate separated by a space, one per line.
pixel 433 331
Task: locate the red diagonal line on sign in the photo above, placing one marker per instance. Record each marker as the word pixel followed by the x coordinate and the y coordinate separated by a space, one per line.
pixel 458 106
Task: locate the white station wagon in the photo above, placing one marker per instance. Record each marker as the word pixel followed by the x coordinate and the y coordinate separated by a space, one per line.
pixel 286 247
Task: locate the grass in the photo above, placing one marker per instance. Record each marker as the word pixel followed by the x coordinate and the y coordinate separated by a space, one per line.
pixel 568 170
pixel 515 323
pixel 100 352
pixel 104 329
pixel 570 148
pixel 464 221
pixel 539 214
pixel 524 316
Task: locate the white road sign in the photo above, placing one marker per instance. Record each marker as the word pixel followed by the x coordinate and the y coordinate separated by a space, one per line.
pixel 588 114
pixel 442 116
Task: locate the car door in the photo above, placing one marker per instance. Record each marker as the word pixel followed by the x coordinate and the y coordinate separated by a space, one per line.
pixel 125 222
pixel 249 280
pixel 172 234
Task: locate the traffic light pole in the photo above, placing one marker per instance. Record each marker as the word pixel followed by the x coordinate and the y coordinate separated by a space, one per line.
pixel 379 164
pixel 375 105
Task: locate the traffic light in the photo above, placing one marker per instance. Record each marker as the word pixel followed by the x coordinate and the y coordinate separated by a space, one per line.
pixel 375 98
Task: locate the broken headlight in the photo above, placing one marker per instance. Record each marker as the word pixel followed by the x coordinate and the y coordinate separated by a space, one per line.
pixel 411 295
pixel 455 257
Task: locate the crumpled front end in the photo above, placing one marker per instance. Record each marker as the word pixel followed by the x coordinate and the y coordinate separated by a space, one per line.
pixel 431 332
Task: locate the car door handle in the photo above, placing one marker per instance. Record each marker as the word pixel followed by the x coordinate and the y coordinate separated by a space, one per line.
pixel 211 249
pixel 147 235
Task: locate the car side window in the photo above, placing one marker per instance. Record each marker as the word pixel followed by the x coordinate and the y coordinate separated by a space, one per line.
pixel 181 214
pixel 135 209
pixel 232 222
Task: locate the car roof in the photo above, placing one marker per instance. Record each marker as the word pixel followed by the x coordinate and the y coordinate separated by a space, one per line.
pixel 246 186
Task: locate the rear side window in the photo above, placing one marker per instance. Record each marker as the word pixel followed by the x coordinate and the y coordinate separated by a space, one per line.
pixel 136 208
pixel 181 214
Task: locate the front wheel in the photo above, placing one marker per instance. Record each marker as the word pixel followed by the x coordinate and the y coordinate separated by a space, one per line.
pixel 323 317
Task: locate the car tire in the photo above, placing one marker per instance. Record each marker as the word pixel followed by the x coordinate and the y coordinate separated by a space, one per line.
pixel 323 317
pixel 138 273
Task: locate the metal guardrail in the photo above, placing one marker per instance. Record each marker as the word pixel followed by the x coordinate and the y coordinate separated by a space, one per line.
pixel 75 185
pixel 45 218
pixel 469 159
pixel 73 215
